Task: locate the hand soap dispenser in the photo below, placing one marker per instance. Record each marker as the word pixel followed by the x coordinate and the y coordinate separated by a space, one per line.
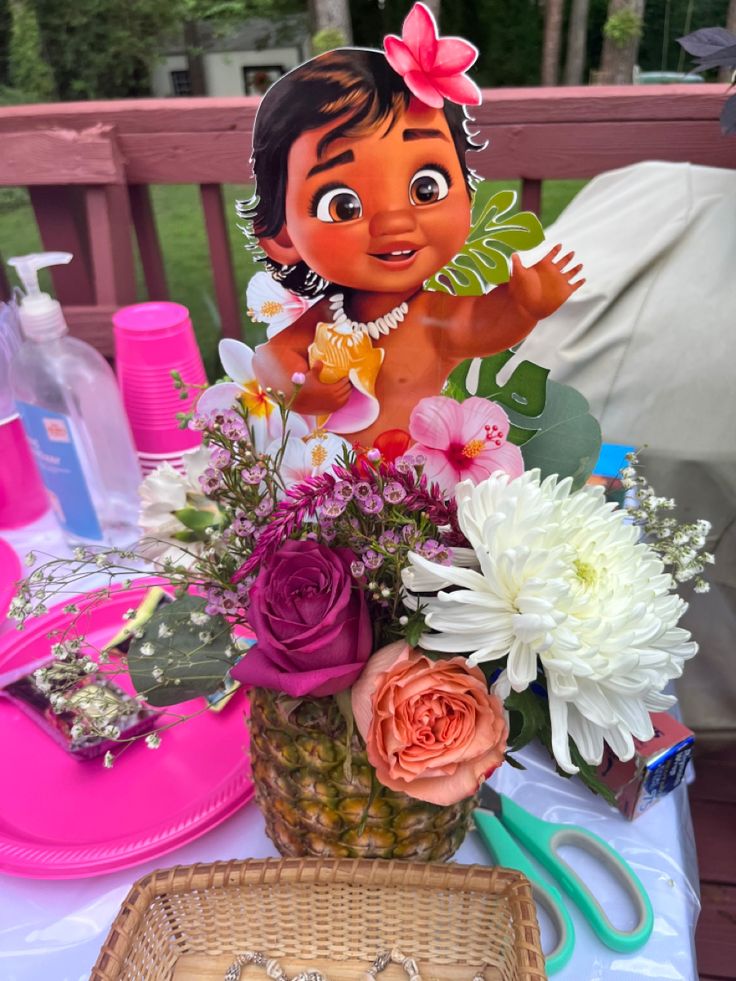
pixel 68 399
pixel 22 495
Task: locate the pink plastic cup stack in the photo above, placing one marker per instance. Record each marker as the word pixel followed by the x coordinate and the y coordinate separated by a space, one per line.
pixel 152 340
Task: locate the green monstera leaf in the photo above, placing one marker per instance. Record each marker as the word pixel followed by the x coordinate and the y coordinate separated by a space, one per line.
pixel 551 422
pixel 525 392
pixel 176 658
pixel 567 438
pixel 497 232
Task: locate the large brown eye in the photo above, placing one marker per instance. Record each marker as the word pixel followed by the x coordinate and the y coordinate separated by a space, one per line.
pixel 339 204
pixel 427 186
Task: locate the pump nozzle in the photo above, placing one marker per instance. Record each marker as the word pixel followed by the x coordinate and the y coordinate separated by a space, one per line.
pixel 27 266
pixel 40 315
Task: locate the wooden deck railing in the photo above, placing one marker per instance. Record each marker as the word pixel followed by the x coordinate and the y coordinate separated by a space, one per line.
pixel 88 167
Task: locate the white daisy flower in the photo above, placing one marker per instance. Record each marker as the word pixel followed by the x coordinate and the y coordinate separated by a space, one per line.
pixel 263 415
pixel 309 457
pixel 563 583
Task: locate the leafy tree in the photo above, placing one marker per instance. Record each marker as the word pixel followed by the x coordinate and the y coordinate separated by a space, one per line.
pixel 223 15
pixel 27 69
pixel 328 39
pixel 724 75
pixel 103 49
pixel 331 15
pixel 622 33
pixel 5 29
pixel 667 21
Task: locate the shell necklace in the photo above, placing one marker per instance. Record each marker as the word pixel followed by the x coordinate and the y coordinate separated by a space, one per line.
pixel 374 328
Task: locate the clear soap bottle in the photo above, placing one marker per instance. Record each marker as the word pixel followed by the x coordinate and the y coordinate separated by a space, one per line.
pixel 70 404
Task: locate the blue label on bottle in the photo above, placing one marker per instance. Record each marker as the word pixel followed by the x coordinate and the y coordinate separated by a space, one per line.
pixel 52 441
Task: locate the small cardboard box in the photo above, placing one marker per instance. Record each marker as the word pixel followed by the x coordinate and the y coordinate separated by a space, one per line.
pixel 656 768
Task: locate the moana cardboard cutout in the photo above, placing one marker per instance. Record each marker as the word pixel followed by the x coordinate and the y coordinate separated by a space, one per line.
pixel 363 193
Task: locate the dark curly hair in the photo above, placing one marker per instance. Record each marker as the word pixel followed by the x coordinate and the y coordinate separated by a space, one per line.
pixel 348 80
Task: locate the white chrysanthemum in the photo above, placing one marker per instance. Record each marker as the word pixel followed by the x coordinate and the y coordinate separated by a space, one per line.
pixel 563 581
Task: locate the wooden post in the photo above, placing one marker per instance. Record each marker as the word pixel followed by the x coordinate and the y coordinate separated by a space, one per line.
pixel 60 216
pixel 5 288
pixel 111 249
pixel 149 246
pixel 221 260
pixel 531 195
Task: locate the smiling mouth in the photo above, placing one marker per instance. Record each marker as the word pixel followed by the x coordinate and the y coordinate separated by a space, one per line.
pixel 398 255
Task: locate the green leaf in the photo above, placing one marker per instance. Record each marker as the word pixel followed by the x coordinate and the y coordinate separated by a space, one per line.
pixel 528 716
pixel 496 233
pixel 566 438
pixel 199 666
pixel 550 421
pixel 524 393
pixel 345 705
pixel 196 520
pixel 513 762
pixel 589 775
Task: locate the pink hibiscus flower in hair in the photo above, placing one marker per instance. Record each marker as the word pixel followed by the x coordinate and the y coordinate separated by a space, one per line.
pixel 433 67
pixel 463 440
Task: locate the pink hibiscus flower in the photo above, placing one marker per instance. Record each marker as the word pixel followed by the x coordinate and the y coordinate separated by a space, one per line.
pixel 432 66
pixel 463 440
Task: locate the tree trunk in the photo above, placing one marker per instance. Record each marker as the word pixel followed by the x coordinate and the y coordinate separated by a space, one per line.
pixel 434 6
pixel 618 60
pixel 331 15
pixel 553 12
pixel 724 75
pixel 195 59
pixel 577 42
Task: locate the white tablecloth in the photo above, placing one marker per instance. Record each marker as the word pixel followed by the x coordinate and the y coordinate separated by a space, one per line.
pixel 52 931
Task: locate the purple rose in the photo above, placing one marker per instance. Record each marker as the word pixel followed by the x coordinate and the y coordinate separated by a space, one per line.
pixel 310 620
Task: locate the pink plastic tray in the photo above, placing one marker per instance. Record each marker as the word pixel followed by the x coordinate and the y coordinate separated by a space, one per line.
pixel 10 572
pixel 63 819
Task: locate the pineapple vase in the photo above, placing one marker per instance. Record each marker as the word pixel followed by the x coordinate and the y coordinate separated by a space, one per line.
pixel 320 800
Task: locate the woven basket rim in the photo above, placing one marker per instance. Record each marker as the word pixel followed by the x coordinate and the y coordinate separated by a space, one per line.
pixel 509 885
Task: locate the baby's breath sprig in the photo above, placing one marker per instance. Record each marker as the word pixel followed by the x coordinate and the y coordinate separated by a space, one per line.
pixel 63 577
pixel 681 546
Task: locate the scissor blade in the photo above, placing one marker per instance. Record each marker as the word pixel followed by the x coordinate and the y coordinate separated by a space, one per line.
pixel 490 800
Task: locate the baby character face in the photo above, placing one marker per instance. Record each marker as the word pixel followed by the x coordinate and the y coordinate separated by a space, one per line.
pixel 377 212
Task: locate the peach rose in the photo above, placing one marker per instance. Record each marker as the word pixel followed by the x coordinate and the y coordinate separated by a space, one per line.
pixel 432 729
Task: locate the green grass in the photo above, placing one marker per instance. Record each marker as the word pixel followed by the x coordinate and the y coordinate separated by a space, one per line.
pixel 183 240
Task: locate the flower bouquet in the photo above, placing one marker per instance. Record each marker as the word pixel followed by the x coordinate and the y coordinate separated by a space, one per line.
pixel 391 507
pixel 420 610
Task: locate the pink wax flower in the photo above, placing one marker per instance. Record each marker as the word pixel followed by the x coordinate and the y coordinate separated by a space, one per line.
pixel 313 632
pixel 432 729
pixel 432 67
pixel 463 440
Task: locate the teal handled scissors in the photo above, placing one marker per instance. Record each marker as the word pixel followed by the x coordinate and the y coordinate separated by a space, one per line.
pixel 501 823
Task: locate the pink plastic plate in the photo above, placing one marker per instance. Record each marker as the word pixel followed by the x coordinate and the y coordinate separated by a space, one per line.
pixel 10 572
pixel 61 818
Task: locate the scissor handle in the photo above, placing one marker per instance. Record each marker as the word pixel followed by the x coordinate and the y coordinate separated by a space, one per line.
pixel 543 839
pixel 505 851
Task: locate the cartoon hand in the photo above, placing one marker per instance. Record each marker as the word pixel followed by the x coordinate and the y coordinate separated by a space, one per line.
pixel 543 288
pixel 319 398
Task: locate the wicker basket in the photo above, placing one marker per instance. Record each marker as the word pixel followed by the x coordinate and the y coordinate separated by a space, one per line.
pixel 188 923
